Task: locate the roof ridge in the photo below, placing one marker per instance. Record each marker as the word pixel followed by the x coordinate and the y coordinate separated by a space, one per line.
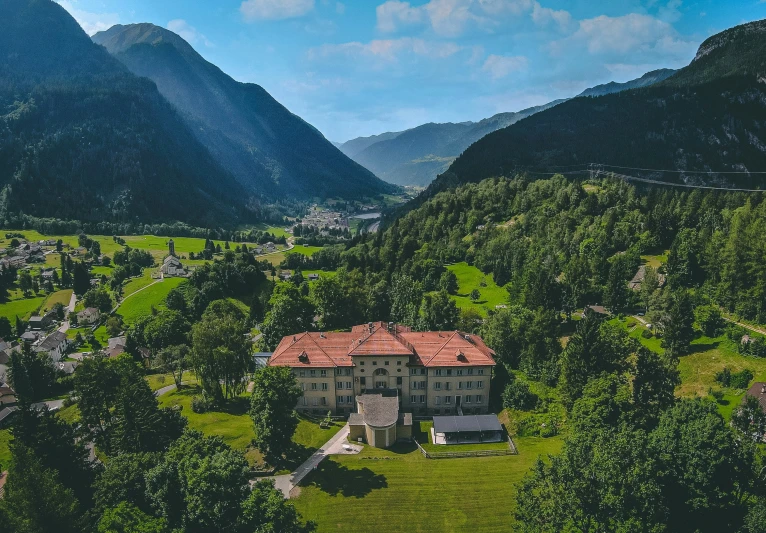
pixel 441 348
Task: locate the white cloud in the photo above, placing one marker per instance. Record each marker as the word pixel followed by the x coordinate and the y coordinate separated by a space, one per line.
pixel 340 8
pixel 453 17
pixel 502 66
pixel 394 13
pixel 387 49
pixel 92 23
pixel 188 32
pixel 275 9
pixel 543 16
pixel 670 12
pixel 633 33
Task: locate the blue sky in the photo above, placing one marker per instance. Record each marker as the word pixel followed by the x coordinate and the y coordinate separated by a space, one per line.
pixel 361 67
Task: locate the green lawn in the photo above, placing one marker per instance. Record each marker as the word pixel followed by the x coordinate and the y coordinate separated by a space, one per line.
pixel 400 490
pixel 234 425
pixel 59 297
pixel 102 271
pixel 140 303
pixel 23 308
pixel 655 260
pixel 134 284
pixel 277 258
pixel 470 278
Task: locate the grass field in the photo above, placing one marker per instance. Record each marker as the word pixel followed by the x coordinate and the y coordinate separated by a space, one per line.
pixel 134 284
pixel 278 257
pixel 101 271
pixel 23 308
pixel 470 278
pixel 235 426
pixel 698 369
pixel 140 303
pixel 60 297
pixel 399 490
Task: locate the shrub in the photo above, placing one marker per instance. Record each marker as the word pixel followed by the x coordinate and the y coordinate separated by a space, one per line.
pixel 201 404
pixel 518 396
pixel 630 324
pixel 647 334
pixel 717 394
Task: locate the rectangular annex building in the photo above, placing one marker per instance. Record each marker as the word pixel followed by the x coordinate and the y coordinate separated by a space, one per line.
pixel 430 373
pixel 466 429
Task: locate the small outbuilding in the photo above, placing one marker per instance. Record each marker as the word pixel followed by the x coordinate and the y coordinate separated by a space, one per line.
pixel 378 422
pixel 468 429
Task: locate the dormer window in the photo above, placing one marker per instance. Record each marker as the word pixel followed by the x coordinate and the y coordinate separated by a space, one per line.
pixel 303 357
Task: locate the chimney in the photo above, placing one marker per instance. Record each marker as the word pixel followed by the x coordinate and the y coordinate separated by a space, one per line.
pixel 468 338
pixel 321 334
pixel 763 388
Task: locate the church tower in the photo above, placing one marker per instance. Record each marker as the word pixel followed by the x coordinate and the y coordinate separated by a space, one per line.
pixel 172 247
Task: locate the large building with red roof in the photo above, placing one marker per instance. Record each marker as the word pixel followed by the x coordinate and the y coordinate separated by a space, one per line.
pixel 431 372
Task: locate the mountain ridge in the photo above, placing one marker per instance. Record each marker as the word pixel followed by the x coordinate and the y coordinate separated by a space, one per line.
pixel 81 138
pixel 271 151
pixel 703 123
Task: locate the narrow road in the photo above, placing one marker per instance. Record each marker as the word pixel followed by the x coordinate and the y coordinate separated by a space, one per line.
pixel 68 309
pixel 746 326
pixel 287 482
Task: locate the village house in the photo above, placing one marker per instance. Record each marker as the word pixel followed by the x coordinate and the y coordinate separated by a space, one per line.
pixel 54 345
pixel 431 372
pixel 47 275
pixel 42 322
pixel 116 346
pixel 15 261
pixel 172 267
pixel 89 315
pixel 7 395
pixel 313 277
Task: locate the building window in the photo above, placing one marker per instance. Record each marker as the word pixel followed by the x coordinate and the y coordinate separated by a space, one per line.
pixel 422 398
pixel 460 385
pixel 338 371
pixel 413 399
pixel 459 372
pixel 348 371
pixel 437 371
pixel 422 371
pixel 313 373
pixel 304 401
pixel 324 386
pixel 470 371
pixel 349 385
pixel 413 371
pixel 398 363
pixel 363 380
pixel 374 363
pixel 302 373
pixel 313 386
pixel 398 380
pixel 339 385
pixel 438 400
pixel 386 363
pixel 480 371
pixel 448 385
pixel 361 363
pixel 469 384
pixel 448 400
pixel 381 384
pixel 437 385
pixel 303 386
pixel 324 400
pixel 314 401
pixel 479 398
pixel 340 399
pixel 479 384
pixel 323 373
pixel 468 399
pixel 449 371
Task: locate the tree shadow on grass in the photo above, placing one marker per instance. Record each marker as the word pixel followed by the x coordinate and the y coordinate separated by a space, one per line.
pixel 336 479
pixel 236 406
pixel 703 347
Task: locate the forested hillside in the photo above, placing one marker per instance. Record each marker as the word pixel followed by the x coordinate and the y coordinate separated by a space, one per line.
pixel 81 138
pixel 703 120
pixel 272 152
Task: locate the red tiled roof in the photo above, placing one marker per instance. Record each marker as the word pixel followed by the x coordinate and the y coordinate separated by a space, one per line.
pixel 429 348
